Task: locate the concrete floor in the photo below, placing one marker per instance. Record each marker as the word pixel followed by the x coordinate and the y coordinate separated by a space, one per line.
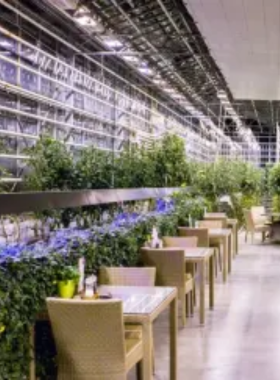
pixel 241 337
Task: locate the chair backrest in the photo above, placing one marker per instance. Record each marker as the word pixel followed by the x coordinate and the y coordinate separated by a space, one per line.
pixel 258 214
pixel 202 235
pixel 217 219
pixel 215 215
pixel 249 222
pixel 127 276
pixel 211 223
pixel 180 242
pixel 169 264
pixel 89 337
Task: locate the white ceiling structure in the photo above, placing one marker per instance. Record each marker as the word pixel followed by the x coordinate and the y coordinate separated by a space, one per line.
pixel 244 38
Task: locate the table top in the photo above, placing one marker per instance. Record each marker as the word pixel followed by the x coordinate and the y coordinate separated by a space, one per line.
pixel 219 232
pixel 232 221
pixel 215 215
pixel 192 253
pixel 271 214
pixel 198 253
pixel 140 300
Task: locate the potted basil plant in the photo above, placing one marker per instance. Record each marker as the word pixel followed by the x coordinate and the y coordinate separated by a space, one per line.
pixel 67 281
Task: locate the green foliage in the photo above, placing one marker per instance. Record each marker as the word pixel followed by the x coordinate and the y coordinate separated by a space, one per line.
pixel 266 189
pixel 250 178
pixel 188 206
pixel 4 174
pixel 276 203
pixel 23 289
pixel 163 164
pixel 274 179
pixel 170 164
pixel 273 185
pixel 225 177
pixel 242 201
pixel 51 166
pixel 133 167
pixel 25 285
pixel 94 170
pixel 66 273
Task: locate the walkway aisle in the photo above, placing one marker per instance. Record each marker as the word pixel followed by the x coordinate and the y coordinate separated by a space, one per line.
pixel 241 337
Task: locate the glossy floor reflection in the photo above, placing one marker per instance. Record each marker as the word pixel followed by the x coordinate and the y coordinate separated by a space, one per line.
pixel 241 337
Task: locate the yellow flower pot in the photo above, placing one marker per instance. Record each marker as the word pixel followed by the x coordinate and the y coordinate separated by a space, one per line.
pixel 66 289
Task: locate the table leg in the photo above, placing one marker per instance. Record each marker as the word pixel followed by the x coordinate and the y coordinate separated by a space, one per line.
pixel 173 326
pixel 32 369
pixel 229 244
pixel 236 238
pixel 225 258
pixel 233 241
pixel 147 343
pixel 202 291
pixel 211 281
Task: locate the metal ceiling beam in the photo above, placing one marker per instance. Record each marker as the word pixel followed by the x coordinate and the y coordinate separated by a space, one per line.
pixel 187 44
pixel 49 32
pixel 167 63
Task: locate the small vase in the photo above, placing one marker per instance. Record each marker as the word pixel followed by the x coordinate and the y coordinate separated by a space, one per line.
pixel 66 289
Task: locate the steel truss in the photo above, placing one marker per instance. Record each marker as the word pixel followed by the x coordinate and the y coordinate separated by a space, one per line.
pixel 166 33
pixel 47 87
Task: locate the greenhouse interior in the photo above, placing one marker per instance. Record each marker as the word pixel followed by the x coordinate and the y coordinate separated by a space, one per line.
pixel 139 189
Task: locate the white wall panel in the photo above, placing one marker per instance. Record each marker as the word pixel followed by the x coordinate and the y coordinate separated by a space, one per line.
pixel 244 38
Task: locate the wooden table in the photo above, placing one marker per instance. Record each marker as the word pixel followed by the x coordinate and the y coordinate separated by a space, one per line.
pixel 201 256
pixel 223 235
pixel 272 215
pixel 231 223
pixel 142 305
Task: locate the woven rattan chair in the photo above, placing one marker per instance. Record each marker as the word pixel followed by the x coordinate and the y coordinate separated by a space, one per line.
pixel 90 340
pixel 127 276
pixel 220 219
pixel 170 267
pixel 212 223
pixel 202 235
pixel 259 215
pixel 185 242
pixel 180 242
pixel 122 276
pixel 251 227
pixel 215 244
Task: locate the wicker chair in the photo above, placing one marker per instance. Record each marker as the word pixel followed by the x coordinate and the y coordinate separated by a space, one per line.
pixel 91 342
pixel 170 266
pixel 185 242
pixel 259 215
pixel 202 235
pixel 212 223
pixel 180 242
pixel 220 219
pixel 251 226
pixel 127 276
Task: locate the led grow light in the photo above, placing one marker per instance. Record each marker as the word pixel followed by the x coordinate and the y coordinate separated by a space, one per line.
pixel 113 43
